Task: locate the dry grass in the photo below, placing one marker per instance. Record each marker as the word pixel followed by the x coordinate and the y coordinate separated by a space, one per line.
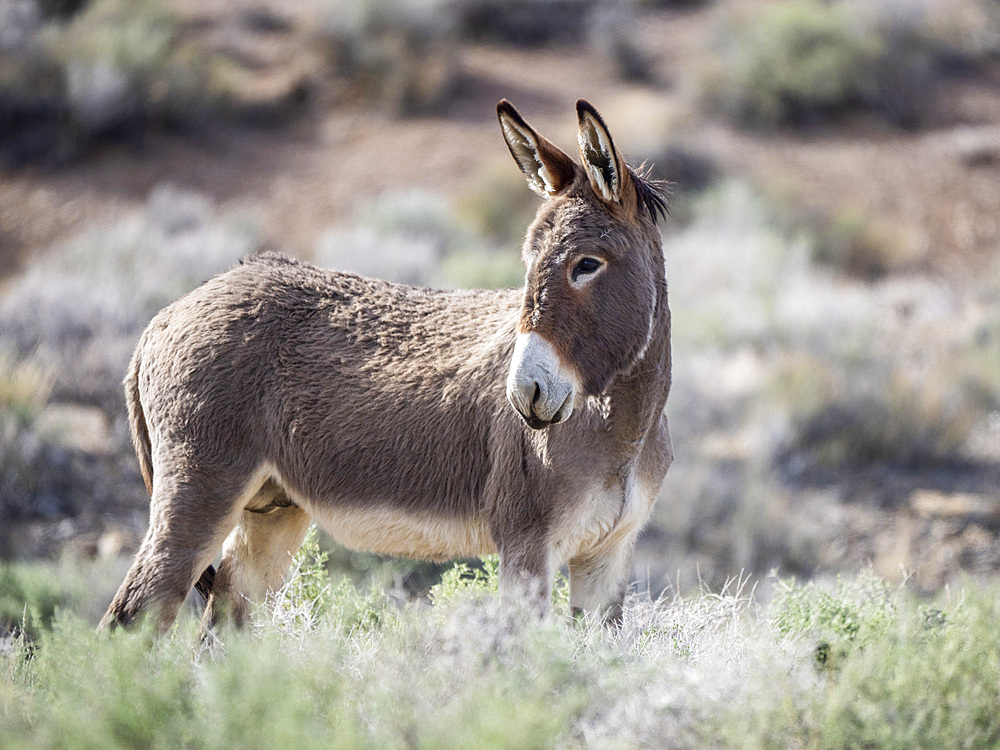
pixel 25 387
pixel 822 666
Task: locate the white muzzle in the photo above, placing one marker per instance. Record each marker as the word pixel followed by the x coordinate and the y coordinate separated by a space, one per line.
pixel 540 387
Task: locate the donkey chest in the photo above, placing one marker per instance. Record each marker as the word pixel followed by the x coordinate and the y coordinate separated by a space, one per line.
pixel 605 512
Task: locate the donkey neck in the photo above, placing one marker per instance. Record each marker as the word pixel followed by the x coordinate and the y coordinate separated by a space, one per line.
pixel 632 405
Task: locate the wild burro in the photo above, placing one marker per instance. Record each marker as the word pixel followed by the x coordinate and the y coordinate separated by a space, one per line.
pixel 416 422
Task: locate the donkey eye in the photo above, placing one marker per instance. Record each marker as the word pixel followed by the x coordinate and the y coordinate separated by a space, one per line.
pixel 585 266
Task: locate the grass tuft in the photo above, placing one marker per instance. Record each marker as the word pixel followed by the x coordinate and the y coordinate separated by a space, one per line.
pixel 708 669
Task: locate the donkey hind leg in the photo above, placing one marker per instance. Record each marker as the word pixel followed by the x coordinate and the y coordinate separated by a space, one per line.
pixel 599 578
pixel 256 556
pixel 188 519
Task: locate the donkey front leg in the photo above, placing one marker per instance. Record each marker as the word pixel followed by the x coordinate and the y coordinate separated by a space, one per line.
pixel 526 573
pixel 255 558
pixel 599 578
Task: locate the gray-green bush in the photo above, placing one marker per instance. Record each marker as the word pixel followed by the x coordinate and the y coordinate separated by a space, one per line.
pixel 74 75
pixel 420 238
pixel 68 325
pixel 798 388
pixel 401 55
pixel 865 415
pixel 801 62
pixel 710 669
pixel 81 306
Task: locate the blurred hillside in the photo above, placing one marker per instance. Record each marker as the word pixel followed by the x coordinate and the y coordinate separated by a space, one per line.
pixel 832 249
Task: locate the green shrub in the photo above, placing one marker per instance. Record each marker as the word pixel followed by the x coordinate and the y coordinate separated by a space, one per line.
pixel 898 674
pixel 897 421
pixel 864 414
pixel 489 269
pixel 608 29
pixel 846 238
pixel 707 670
pixel 307 596
pixel 859 245
pixel 979 374
pixel 399 54
pixel 34 594
pixel 25 386
pixel 793 62
pixel 419 238
pixel 106 68
pixel 922 686
pixel 498 205
pixel 82 305
pixel 798 62
pixel 859 612
pixel 125 63
pixel 462 579
pixel 29 598
pixel 69 323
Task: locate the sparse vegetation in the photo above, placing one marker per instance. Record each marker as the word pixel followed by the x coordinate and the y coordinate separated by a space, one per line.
pixel 497 206
pixel 858 613
pixel 485 269
pixel 792 382
pixel 68 325
pixel 524 22
pixel 73 73
pixel 398 54
pixel 419 238
pixel 862 246
pixel 790 63
pixel 877 419
pixel 81 306
pixel 25 386
pixel 611 28
pixel 801 62
pixel 893 672
pixel 833 403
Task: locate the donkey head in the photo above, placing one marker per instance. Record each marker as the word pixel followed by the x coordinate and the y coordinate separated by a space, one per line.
pixel 595 269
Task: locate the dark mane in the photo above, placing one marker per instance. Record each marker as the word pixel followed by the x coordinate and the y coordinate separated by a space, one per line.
pixel 651 194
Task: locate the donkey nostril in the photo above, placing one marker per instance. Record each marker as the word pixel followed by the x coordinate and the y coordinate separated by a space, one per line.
pixel 538 395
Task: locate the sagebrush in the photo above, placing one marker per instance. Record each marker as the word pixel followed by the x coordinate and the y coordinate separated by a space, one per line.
pixel 703 670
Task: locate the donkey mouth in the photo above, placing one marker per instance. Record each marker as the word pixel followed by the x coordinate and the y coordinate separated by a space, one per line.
pixel 537 423
pixel 534 422
pixel 540 386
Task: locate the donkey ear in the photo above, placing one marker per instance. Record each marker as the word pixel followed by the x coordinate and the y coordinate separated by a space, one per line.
pixel 605 167
pixel 547 169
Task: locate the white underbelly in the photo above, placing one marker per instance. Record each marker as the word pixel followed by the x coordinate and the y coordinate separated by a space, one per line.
pixel 388 531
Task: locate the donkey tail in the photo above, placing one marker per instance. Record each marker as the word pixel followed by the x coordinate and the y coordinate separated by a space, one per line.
pixel 137 421
pixel 144 450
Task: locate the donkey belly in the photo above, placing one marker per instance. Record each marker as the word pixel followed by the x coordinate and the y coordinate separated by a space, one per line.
pixel 386 530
